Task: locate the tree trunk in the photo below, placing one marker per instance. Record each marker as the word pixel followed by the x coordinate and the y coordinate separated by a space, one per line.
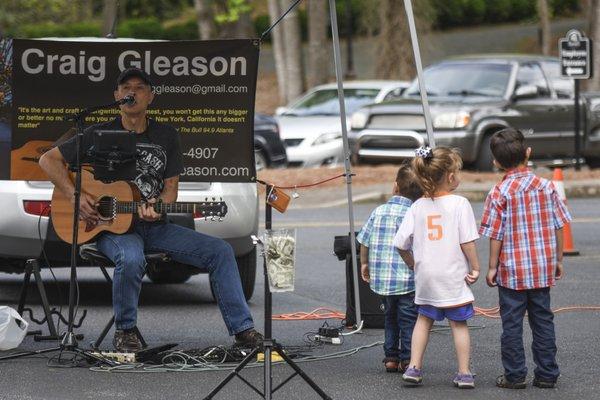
pixel 318 60
pixel 293 53
pixel 594 83
pixel 206 19
pixel 394 50
pixel 109 16
pixel 85 10
pixel 278 52
pixel 545 33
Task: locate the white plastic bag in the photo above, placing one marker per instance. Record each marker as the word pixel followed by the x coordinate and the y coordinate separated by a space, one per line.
pixel 11 334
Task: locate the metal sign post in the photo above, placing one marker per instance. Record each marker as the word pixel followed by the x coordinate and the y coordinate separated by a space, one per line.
pixel 575 53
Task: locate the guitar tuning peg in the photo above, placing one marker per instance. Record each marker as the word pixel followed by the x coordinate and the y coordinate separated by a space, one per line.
pixel 212 218
pixel 220 219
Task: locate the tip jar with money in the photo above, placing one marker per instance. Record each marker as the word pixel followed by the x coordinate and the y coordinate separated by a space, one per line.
pixel 280 255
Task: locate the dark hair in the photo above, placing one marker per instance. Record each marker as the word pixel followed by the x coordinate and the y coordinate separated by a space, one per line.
pixel 407 182
pixel 430 171
pixel 508 147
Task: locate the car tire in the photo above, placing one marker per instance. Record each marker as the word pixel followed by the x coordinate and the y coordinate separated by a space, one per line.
pixel 484 161
pixel 260 159
pixel 593 162
pixel 247 268
pixel 170 273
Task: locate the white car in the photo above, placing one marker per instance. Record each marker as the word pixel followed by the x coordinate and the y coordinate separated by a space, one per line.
pixel 25 218
pixel 311 128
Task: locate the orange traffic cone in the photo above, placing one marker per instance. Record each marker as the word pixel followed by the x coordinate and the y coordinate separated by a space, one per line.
pixel 568 247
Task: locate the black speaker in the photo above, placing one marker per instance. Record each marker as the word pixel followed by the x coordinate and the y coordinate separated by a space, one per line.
pixel 371 305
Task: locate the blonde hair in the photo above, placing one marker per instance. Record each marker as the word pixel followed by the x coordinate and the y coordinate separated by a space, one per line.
pixel 431 171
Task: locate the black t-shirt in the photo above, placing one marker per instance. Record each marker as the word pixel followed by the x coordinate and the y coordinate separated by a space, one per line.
pixel 158 154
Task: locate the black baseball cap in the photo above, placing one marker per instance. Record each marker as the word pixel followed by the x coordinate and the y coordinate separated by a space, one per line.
pixel 134 73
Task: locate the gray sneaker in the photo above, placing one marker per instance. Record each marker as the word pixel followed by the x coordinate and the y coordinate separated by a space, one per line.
pixel 464 381
pixel 413 376
pixel 126 341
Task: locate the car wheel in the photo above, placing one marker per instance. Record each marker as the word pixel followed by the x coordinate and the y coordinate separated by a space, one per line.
pixel 247 267
pixel 593 162
pixel 260 159
pixel 485 158
pixel 170 273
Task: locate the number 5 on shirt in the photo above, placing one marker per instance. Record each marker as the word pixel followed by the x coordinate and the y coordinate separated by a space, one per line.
pixel 434 229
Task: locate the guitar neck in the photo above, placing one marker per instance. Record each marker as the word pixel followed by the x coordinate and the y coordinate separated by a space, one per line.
pixel 129 207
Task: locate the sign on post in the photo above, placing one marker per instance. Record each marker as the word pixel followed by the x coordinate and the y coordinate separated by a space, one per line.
pixel 574 52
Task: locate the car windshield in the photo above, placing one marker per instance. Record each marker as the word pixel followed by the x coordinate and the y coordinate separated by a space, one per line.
pixel 325 102
pixel 462 79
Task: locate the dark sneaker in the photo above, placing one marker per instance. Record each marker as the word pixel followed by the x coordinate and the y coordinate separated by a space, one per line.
pixel 504 383
pixel 413 376
pixel 464 381
pixel 543 384
pixel 249 338
pixel 126 341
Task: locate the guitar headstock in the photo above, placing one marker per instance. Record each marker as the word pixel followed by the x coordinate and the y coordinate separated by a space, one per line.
pixel 211 209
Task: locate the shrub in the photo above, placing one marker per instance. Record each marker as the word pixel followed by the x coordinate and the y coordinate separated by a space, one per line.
pixel 182 31
pixel 142 28
pixel 50 29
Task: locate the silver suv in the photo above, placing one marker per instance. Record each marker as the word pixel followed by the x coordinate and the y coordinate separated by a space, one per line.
pixel 24 222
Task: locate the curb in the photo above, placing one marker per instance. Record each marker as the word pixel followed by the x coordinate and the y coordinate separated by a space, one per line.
pixel 573 191
pixel 576 189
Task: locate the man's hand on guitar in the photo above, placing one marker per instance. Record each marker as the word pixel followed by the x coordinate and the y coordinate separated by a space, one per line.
pixel 87 208
pixel 146 211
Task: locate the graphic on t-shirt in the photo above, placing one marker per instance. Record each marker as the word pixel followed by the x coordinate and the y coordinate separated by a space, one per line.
pixel 435 231
pixel 150 168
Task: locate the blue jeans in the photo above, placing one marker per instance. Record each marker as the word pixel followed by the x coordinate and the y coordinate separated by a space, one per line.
pixel 183 245
pixel 400 318
pixel 513 304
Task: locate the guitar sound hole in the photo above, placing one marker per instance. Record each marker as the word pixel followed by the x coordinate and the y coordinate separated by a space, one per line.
pixel 107 207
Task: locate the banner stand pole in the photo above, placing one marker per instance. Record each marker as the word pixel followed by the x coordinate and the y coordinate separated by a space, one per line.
pixel 419 67
pixel 347 167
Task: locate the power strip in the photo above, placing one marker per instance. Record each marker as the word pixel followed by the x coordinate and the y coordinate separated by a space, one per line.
pixel 325 339
pixel 126 358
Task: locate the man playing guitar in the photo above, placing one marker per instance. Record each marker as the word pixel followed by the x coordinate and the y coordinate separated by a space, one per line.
pixel 158 165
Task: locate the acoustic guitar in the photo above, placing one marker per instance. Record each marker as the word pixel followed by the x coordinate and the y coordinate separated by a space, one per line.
pixel 117 203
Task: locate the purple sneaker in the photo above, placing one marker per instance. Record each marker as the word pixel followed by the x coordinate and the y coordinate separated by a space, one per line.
pixel 464 381
pixel 413 376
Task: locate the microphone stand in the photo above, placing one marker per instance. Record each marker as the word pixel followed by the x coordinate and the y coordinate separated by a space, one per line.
pixel 69 340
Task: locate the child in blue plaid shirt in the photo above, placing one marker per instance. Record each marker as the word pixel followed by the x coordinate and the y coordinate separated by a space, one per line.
pixel 383 268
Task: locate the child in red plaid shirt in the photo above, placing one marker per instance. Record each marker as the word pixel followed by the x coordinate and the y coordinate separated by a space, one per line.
pixel 523 217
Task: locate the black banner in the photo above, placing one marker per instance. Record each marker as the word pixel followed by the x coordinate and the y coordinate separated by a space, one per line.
pixel 205 89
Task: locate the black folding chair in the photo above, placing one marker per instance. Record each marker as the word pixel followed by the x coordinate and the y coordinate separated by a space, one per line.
pixel 91 254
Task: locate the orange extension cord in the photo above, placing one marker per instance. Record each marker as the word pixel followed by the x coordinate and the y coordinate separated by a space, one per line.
pixel 326 313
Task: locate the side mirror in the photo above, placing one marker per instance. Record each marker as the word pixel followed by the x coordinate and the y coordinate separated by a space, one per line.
pixel 525 92
pixel 280 110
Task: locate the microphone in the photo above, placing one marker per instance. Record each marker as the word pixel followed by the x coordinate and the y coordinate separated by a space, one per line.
pixel 129 99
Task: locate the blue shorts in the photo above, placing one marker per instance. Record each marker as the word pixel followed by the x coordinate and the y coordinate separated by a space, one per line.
pixel 461 313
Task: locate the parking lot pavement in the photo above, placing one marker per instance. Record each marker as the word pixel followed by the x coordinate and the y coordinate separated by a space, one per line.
pixel 185 314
